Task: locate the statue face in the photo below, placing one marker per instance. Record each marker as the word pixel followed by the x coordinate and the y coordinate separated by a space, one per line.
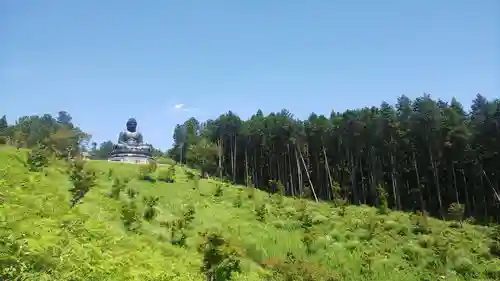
pixel 131 125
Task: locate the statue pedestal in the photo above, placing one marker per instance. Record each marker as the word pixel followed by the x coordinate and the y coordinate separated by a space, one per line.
pixel 131 158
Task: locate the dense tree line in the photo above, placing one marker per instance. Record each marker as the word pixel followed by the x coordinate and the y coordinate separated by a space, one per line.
pixel 422 154
pixel 57 134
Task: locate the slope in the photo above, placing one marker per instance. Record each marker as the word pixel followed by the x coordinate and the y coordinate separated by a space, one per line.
pixel 271 237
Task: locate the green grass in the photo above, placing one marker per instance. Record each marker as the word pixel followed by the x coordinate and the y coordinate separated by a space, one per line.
pixel 41 238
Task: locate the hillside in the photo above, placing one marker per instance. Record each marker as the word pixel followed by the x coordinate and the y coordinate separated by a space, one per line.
pixel 271 237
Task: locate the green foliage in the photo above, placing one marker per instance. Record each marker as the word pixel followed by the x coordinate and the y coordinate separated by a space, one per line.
pixel 196 182
pixel 279 189
pixel 167 175
pixel 336 190
pixel 456 212
pixel 220 259
pixel 150 211
pixel 494 246
pixel 118 186
pixel 146 171
pixel 40 240
pixel 420 223
pixel 165 161
pixel 250 192
pixel 219 189
pixel 261 212
pixel 130 212
pixel 299 270
pixel 82 179
pixel 111 173
pixel 308 241
pixel 190 174
pixel 342 204
pixel 38 158
pixel 306 222
pixel 383 206
pixel 238 201
pixel 178 227
pixel 424 152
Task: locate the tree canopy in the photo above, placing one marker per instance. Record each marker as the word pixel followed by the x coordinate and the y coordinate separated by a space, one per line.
pixel 58 133
pixel 425 154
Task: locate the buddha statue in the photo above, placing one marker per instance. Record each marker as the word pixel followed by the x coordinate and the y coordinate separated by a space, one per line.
pixel 130 143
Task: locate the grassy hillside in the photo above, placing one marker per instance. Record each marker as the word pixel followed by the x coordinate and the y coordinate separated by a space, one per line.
pixel 272 238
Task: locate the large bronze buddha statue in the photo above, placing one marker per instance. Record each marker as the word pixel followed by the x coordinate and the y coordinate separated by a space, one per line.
pixel 130 144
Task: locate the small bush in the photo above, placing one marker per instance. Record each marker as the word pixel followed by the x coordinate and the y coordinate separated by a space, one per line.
pixel 194 177
pixel 130 216
pixel 38 158
pixel 82 180
pixel 250 192
pixel 219 191
pixel 129 213
pixel 383 205
pixel 261 212
pixel 238 201
pixel 341 203
pixel 299 270
pixel 494 246
pixel 118 185
pixel 167 175
pixel 456 212
pixel 420 223
pixel 146 171
pixel 111 173
pixel 150 210
pixel 220 259
pixel 179 226
pixel 308 239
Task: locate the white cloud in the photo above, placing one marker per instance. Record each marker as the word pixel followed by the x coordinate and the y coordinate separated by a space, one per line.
pixel 182 108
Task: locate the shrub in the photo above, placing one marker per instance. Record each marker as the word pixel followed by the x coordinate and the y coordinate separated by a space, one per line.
pixel 38 158
pixel 129 213
pixel 150 210
pixel 82 180
pixel 220 259
pixel 179 226
pixel 167 175
pixel 420 223
pixel 456 212
pixel 383 206
pixel 299 270
pixel 494 246
pixel 218 190
pixel 238 201
pixel 261 212
pixel 118 185
pixel 146 171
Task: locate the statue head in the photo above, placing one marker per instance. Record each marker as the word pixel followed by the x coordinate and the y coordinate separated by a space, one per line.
pixel 131 125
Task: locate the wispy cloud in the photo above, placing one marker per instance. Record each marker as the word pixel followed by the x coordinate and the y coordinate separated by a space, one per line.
pixel 182 108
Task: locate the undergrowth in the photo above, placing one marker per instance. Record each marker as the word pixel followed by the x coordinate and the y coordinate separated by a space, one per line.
pixel 129 222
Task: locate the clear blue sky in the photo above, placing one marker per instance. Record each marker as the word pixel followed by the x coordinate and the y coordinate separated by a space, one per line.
pixel 104 61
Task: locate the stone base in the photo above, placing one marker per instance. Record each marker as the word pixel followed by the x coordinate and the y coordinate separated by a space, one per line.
pixel 132 159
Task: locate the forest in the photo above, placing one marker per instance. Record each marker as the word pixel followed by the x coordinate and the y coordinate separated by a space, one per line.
pixel 422 155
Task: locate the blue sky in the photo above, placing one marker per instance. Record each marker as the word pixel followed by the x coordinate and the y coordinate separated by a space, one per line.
pixel 104 61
